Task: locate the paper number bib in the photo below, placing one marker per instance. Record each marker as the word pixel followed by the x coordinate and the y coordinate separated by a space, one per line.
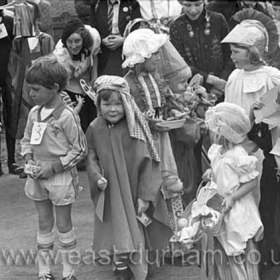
pixel 38 131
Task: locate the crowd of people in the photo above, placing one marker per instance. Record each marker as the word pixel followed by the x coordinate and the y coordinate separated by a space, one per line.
pixel 153 99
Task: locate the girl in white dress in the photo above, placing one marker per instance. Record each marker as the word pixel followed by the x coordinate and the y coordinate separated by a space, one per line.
pixel 250 41
pixel 235 174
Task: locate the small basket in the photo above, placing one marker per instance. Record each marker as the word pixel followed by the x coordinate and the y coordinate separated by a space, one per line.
pixel 216 203
pixel 214 230
pixel 172 124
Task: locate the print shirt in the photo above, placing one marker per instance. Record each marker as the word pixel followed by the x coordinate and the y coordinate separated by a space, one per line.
pixel 63 141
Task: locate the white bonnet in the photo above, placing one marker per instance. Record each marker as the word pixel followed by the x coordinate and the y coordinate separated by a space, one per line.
pixel 141 44
pixel 228 120
pixel 249 32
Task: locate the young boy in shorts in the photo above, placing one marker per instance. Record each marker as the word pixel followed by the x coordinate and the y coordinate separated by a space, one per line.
pixel 52 145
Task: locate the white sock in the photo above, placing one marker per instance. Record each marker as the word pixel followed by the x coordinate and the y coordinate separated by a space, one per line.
pixel 45 243
pixel 44 262
pixel 67 267
pixel 67 242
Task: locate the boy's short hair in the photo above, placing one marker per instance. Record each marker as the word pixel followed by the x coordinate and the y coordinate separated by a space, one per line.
pixel 47 71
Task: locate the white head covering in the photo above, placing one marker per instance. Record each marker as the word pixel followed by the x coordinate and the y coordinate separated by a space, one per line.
pixel 141 44
pixel 172 62
pixel 249 33
pixel 228 120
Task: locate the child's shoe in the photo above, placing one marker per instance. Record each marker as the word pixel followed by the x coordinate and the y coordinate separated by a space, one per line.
pixel 125 274
pixel 15 169
pixel 46 277
pixel 70 276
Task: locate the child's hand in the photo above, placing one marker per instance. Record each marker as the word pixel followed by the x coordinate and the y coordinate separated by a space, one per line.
pixel 228 203
pixel 218 93
pixel 80 102
pixel 207 176
pixel 32 162
pixel 257 105
pixel 102 183
pixel 142 205
pixel 217 82
pixel 45 172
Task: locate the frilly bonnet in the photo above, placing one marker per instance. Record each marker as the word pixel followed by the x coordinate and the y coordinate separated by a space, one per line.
pixel 228 120
pixel 141 44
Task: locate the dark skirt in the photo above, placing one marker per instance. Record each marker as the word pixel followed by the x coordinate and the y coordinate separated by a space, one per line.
pixel 270 212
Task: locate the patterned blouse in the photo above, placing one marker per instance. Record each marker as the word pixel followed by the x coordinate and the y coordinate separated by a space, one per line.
pixel 199 43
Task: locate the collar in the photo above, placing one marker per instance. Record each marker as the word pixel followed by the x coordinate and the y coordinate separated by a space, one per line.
pixel 55 113
pixel 143 74
pixel 244 5
pixel 113 2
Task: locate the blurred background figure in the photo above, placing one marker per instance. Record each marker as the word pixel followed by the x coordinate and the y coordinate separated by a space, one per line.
pixel 82 8
pixel 228 8
pixel 110 18
pixel 5 48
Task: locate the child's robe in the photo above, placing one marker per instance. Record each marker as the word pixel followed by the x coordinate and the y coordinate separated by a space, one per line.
pixel 126 163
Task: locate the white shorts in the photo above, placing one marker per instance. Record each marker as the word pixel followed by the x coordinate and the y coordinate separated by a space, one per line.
pixel 61 188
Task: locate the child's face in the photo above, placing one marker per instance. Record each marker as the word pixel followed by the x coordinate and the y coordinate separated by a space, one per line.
pixel 112 109
pixel 74 43
pixel 150 64
pixel 179 83
pixel 240 57
pixel 41 95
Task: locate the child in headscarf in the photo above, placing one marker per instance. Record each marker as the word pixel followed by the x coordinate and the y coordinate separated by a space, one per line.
pixel 124 179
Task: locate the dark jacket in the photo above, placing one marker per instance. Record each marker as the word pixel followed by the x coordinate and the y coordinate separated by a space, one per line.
pixel 5 48
pixel 203 53
pixel 109 62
